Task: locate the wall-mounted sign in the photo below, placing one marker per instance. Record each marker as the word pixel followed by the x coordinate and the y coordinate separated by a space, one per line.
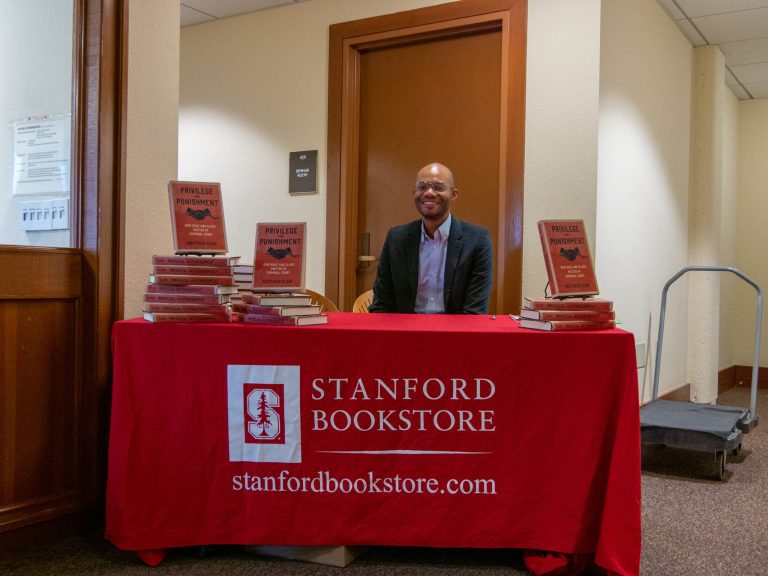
pixel 41 156
pixel 303 176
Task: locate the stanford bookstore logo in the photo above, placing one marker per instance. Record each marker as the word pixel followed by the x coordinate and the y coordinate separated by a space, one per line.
pixel 264 413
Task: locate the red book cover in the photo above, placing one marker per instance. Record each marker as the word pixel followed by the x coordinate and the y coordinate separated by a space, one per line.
pixel 197 217
pixel 567 258
pixel 276 310
pixel 278 261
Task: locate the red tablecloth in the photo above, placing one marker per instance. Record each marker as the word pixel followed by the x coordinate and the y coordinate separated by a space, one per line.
pixel 383 429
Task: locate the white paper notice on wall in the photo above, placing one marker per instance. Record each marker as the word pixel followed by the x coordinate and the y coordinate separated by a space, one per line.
pixel 42 155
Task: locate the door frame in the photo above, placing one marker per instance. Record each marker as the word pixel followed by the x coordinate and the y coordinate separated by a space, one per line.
pixel 346 43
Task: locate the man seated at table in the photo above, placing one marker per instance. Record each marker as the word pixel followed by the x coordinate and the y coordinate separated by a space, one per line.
pixel 437 264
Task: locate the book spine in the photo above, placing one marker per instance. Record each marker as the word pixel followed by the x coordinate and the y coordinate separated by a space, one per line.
pixel 170 317
pixel 548 264
pixel 601 306
pixel 257 309
pixel 173 298
pixel 163 269
pixel 182 279
pixel 219 309
pixel 182 289
pixel 269 319
pixel 561 325
pixel 590 315
pixel 194 261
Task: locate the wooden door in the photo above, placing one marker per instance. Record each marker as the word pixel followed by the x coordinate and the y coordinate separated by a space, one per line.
pixel 423 102
pixel 57 306
pixel 440 84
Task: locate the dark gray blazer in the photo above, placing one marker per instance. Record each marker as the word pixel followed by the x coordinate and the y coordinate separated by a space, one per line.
pixel 468 269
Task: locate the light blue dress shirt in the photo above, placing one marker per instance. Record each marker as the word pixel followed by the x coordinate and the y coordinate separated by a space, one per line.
pixel 432 251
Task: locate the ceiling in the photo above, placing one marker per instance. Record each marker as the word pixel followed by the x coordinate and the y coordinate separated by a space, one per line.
pixel 199 11
pixel 738 27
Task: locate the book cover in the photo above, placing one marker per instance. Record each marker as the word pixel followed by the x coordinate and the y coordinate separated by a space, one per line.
pixel 599 304
pixel 278 261
pixel 183 279
pixel 193 260
pixel 567 314
pixel 277 299
pixel 276 310
pixel 184 317
pixel 285 320
pixel 190 289
pixel 567 258
pixel 197 217
pixel 173 298
pixel 562 325
pixel 184 308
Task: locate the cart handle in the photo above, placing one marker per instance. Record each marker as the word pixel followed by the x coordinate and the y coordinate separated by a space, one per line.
pixel 758 326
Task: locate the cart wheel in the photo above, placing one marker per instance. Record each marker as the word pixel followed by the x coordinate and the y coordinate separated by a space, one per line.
pixel 737 450
pixel 720 464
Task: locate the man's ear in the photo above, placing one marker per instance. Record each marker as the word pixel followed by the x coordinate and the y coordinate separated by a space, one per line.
pixel 454 193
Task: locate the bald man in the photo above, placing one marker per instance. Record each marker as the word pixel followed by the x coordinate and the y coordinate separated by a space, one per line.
pixel 437 264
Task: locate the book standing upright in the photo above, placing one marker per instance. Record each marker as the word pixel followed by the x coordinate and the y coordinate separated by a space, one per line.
pixel 571 304
pixel 197 217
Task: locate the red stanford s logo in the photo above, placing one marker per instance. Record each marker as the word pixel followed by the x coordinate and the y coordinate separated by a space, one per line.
pixel 264 406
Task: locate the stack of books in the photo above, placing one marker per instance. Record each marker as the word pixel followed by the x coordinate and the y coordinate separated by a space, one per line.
pixel 189 288
pixel 277 308
pixel 568 314
pixel 243 276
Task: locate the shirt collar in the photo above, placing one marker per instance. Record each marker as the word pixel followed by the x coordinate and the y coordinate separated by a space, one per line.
pixel 442 232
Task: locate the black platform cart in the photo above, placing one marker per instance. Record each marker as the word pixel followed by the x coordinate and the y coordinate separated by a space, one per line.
pixel 702 427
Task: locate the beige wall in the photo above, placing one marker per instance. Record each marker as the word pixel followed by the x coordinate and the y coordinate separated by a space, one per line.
pixel 752 234
pixel 151 139
pixel 643 176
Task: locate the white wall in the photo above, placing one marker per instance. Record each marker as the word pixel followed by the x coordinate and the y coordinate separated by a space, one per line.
pixel 752 235
pixel 35 79
pixel 643 176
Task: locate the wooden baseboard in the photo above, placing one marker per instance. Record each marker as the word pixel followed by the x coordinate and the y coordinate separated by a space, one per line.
pixel 682 394
pixel 74 524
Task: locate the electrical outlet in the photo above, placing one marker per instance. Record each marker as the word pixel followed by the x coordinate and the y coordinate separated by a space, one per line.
pixel 35 215
pixel 640 350
pixel 60 214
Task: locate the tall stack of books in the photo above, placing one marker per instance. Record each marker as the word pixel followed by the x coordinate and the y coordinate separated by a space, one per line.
pixel 277 308
pixel 568 314
pixel 189 288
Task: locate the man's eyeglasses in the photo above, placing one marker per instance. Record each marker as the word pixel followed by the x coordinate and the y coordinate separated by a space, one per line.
pixel 436 185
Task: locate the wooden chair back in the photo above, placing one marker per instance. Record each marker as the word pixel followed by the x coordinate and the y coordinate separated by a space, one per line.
pixel 363 301
pixel 326 304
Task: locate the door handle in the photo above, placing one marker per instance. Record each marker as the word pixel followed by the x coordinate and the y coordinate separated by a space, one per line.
pixel 365 257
